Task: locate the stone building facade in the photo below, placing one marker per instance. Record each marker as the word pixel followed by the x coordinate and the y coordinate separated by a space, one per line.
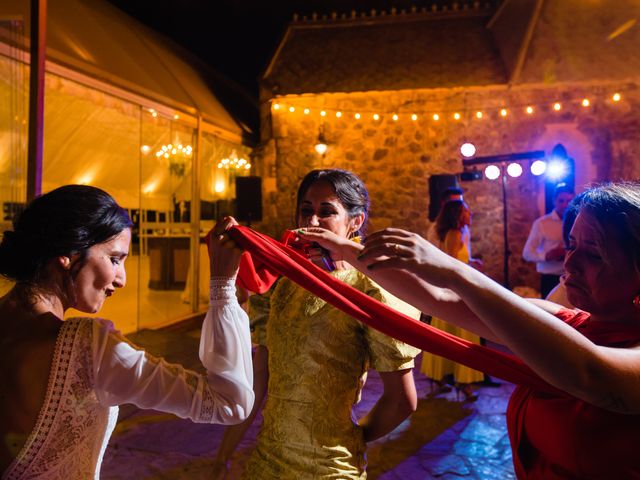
pixel 398 150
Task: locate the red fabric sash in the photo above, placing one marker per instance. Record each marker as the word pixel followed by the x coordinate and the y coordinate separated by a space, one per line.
pixel 273 257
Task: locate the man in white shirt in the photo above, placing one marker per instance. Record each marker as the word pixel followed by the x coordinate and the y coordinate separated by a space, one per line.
pixel 544 245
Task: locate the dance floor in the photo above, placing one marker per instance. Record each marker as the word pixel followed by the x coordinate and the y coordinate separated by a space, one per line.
pixel 443 439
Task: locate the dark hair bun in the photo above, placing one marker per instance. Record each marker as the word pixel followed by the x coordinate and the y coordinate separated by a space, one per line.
pixel 14 263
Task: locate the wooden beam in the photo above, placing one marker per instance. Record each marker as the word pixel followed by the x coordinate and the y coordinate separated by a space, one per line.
pixel 38 49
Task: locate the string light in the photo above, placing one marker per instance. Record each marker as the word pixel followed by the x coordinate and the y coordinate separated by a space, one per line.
pixel 503 112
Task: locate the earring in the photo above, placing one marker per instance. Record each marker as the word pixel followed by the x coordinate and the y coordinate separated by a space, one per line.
pixel 636 301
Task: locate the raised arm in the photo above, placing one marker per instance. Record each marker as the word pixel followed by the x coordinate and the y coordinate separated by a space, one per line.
pixel 428 298
pixel 125 374
pixel 606 377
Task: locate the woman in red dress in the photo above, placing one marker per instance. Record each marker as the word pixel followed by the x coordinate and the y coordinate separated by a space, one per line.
pixel 591 354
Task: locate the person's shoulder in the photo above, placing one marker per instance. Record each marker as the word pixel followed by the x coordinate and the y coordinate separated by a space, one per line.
pixel 552 216
pixel 376 291
pixel 92 323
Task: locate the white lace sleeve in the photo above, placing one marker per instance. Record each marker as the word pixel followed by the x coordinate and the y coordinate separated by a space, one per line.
pixel 124 373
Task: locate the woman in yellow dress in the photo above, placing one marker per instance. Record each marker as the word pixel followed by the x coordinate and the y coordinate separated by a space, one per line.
pixel 318 356
pixel 452 227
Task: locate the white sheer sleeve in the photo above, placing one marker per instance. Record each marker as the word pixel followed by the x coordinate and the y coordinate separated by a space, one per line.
pixel 123 373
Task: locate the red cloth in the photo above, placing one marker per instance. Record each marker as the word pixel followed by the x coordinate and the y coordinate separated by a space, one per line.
pixel 555 436
pixel 279 259
pixel 254 275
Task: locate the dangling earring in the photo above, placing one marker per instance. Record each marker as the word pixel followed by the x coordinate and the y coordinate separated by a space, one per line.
pixel 636 301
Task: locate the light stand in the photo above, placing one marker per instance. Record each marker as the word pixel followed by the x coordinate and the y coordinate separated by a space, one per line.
pixel 501 161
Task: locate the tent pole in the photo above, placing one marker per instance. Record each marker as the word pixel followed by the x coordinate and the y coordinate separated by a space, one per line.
pixel 36 97
pixel 196 173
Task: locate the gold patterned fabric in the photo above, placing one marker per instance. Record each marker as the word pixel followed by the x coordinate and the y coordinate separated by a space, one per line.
pixel 317 358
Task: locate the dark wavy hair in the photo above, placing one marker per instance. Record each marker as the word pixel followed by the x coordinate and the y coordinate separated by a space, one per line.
pixel 348 187
pixel 616 208
pixel 449 217
pixel 63 222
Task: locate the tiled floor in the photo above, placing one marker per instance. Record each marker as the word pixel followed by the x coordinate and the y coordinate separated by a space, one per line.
pixel 443 439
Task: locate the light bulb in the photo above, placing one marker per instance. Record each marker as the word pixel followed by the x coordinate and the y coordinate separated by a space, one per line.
pixel 492 172
pixel 514 169
pixel 321 148
pixel 468 149
pixel 538 167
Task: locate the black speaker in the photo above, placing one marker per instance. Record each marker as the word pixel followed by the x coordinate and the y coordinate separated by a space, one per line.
pixel 249 199
pixel 437 185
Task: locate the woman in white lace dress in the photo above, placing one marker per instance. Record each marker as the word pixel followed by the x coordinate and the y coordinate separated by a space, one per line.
pixel 61 381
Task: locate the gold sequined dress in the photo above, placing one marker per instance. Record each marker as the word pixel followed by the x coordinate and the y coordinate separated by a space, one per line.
pixel 317 358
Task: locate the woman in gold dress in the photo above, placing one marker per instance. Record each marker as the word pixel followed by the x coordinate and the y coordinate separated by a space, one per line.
pixel 453 232
pixel 318 356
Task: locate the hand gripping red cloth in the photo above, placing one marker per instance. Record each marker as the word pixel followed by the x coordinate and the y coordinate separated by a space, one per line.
pixel 278 259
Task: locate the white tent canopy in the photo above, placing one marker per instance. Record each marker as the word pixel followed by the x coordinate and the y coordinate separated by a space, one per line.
pixel 115 93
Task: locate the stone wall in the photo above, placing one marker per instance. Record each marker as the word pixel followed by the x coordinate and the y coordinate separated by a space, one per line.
pixel 396 157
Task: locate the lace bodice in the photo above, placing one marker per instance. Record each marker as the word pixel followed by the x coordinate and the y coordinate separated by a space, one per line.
pixel 95 368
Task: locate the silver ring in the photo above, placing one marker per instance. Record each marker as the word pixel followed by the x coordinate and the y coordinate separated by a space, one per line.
pixel 396 248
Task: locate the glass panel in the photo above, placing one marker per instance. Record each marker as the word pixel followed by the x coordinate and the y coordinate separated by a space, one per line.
pixel 221 163
pixel 93 138
pixel 165 215
pixel 13 137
